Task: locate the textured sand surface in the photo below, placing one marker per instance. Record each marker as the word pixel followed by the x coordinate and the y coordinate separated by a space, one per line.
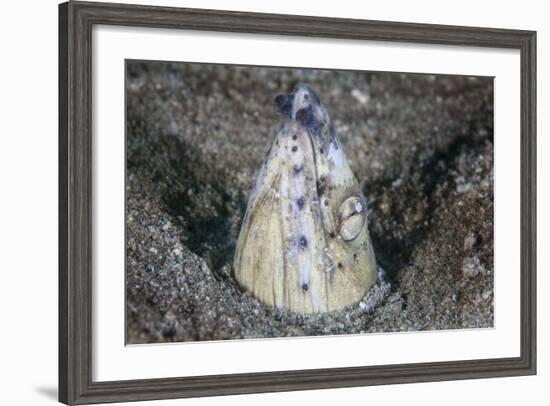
pixel 421 147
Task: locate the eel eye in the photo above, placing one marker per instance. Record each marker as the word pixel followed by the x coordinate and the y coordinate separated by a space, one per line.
pixel 351 217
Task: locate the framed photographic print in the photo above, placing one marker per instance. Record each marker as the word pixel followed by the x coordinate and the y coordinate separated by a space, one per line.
pixel 256 202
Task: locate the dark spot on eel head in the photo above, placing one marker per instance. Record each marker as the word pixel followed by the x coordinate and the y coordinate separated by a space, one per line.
pixel 298 169
pixel 340 266
pixel 300 202
pixel 332 235
pixel 284 103
pixel 305 287
pixel 294 148
pixel 303 242
pixel 321 150
pixel 322 185
pixel 306 117
pixel 326 202
pixel 294 137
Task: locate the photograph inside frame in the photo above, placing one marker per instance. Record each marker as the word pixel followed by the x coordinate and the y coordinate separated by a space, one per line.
pixel 270 202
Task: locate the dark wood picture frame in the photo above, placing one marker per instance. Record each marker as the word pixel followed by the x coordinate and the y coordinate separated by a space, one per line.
pixel 76 20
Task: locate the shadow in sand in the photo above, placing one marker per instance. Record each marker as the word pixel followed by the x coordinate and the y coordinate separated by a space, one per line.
pixel 201 202
pixel 395 249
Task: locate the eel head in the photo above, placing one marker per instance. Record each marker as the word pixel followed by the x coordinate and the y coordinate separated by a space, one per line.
pixel 304 244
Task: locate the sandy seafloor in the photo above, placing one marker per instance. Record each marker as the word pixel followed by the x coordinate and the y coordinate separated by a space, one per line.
pixel 421 147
